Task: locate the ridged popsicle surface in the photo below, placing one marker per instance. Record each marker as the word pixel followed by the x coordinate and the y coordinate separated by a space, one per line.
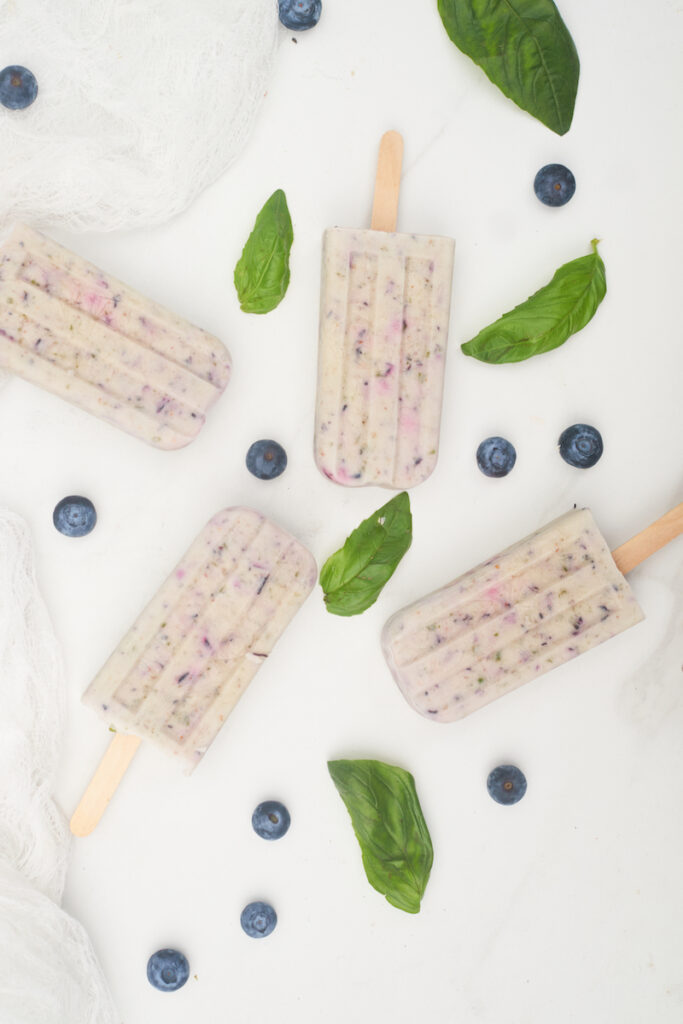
pixel 184 664
pixel 384 314
pixel 534 606
pixel 77 332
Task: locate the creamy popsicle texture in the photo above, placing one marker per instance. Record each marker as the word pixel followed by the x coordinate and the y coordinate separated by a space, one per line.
pixel 384 313
pixel 541 602
pixel 184 664
pixel 74 330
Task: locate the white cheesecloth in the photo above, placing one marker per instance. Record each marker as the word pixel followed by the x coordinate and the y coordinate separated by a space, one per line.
pixel 141 105
pixel 48 971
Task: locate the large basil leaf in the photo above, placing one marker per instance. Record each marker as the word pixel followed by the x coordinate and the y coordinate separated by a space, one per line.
pixel 262 272
pixel 525 49
pixel 548 317
pixel 352 578
pixel 388 822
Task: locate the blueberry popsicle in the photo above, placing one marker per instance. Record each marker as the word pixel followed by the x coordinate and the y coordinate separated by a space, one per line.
pixel 181 668
pixel 74 330
pixel 540 603
pixel 384 314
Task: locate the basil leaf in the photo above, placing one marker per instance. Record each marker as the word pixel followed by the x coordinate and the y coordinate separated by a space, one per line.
pixel 262 272
pixel 388 822
pixel 525 49
pixel 353 577
pixel 548 317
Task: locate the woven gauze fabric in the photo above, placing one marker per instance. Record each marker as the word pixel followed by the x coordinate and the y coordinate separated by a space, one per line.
pixel 141 105
pixel 48 971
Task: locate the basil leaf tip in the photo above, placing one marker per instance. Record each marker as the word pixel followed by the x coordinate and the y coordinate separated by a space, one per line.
pixel 387 818
pixel 549 317
pixel 262 272
pixel 354 576
pixel 524 48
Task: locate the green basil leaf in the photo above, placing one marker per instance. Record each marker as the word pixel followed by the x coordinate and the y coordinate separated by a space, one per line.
pixel 388 822
pixel 353 577
pixel 262 272
pixel 548 317
pixel 525 49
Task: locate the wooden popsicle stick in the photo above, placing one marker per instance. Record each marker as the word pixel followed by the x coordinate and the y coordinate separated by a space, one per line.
pixel 104 782
pixel 387 183
pixel 651 539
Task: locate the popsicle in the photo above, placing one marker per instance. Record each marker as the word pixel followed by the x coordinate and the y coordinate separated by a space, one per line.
pixel 184 664
pixel 74 330
pixel 534 606
pixel 384 313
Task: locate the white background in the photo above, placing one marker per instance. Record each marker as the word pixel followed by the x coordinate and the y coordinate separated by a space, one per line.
pixel 569 906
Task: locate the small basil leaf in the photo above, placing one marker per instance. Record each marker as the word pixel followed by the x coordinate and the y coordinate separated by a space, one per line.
pixel 525 49
pixel 388 822
pixel 548 317
pixel 353 577
pixel 262 272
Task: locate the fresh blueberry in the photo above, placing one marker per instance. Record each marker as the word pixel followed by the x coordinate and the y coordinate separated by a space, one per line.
pixel 258 919
pixel 270 820
pixel 300 14
pixel 18 87
pixel 554 185
pixel 167 970
pixel 266 459
pixel 74 516
pixel 506 784
pixel 581 445
pixel 496 456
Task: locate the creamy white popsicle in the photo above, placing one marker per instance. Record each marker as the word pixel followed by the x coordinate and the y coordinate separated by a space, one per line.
pixel 384 311
pixel 184 664
pixel 384 316
pixel 539 603
pixel 76 331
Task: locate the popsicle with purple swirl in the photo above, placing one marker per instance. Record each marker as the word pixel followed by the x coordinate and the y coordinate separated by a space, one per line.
pixel 384 316
pixel 182 667
pixel 77 332
pixel 534 606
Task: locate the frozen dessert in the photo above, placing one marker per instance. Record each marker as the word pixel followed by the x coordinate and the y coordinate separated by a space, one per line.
pixel 384 314
pixel 79 333
pixel 383 335
pixel 541 602
pixel 182 667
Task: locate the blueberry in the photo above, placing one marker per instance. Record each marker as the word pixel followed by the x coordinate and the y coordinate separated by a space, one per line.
pixel 300 14
pixel 167 970
pixel 270 820
pixel 506 784
pixel 18 87
pixel 258 919
pixel 554 185
pixel 74 516
pixel 266 459
pixel 496 456
pixel 581 445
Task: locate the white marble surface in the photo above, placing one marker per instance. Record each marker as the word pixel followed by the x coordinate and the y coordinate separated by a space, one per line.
pixel 567 907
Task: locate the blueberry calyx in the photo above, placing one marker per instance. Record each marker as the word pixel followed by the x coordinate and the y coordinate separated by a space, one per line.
pixel 581 445
pixel 74 516
pixel 270 820
pixel 554 185
pixel 496 456
pixel 506 784
pixel 258 919
pixel 266 459
pixel 18 87
pixel 167 970
pixel 299 15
